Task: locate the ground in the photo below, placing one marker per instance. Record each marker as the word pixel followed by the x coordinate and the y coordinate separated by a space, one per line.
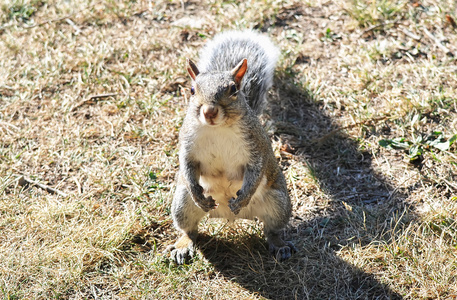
pixel 362 117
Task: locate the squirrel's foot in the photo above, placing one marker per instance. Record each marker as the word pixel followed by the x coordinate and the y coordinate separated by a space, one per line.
pixel 182 250
pixel 283 252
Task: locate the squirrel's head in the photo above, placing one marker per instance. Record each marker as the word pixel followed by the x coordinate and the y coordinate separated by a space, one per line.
pixel 215 95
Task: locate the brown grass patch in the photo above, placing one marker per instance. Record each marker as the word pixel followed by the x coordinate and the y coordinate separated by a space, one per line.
pixel 92 96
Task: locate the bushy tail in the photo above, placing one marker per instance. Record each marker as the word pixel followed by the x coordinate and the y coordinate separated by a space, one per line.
pixel 227 49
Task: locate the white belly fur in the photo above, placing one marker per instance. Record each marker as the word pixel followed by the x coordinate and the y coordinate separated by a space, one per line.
pixel 255 208
pixel 223 155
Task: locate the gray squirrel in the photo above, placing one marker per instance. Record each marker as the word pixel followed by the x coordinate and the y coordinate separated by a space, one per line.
pixel 227 165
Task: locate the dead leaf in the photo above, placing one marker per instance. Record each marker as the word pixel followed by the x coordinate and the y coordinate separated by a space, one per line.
pixel 451 21
pixel 287 148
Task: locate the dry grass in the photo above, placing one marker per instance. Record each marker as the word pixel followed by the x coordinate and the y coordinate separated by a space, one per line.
pixel 91 101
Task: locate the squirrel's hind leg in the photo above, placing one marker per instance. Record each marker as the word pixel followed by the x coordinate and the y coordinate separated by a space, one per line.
pixel 186 217
pixel 275 221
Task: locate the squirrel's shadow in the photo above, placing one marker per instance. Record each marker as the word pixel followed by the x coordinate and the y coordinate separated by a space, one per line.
pixel 359 206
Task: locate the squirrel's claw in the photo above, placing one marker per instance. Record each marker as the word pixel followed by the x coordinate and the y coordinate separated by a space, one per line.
pixel 284 252
pixel 182 250
pixel 180 256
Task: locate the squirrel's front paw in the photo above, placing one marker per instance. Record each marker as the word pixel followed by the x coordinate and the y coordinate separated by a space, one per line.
pixel 235 205
pixel 207 203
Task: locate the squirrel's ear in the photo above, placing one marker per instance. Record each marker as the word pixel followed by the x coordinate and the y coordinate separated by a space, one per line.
pixel 192 69
pixel 239 71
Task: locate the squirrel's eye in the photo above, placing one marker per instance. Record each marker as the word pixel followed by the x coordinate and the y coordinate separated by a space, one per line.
pixel 232 89
pixel 192 90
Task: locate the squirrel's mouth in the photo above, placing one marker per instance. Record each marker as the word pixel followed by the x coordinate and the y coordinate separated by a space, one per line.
pixel 212 122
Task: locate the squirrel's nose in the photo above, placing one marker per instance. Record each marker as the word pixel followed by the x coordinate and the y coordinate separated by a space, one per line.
pixel 210 112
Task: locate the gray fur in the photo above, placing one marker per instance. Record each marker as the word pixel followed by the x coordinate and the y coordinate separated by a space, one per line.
pixel 227 49
pixel 227 165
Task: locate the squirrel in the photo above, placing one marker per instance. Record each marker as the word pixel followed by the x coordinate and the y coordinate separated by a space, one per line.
pixel 227 165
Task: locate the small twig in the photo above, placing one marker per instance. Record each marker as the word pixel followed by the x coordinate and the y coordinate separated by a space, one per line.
pixel 24 181
pixel 76 28
pixel 437 42
pixel 450 184
pixel 321 140
pixel 410 34
pixel 50 21
pixel 379 25
pixel 80 190
pixel 99 96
